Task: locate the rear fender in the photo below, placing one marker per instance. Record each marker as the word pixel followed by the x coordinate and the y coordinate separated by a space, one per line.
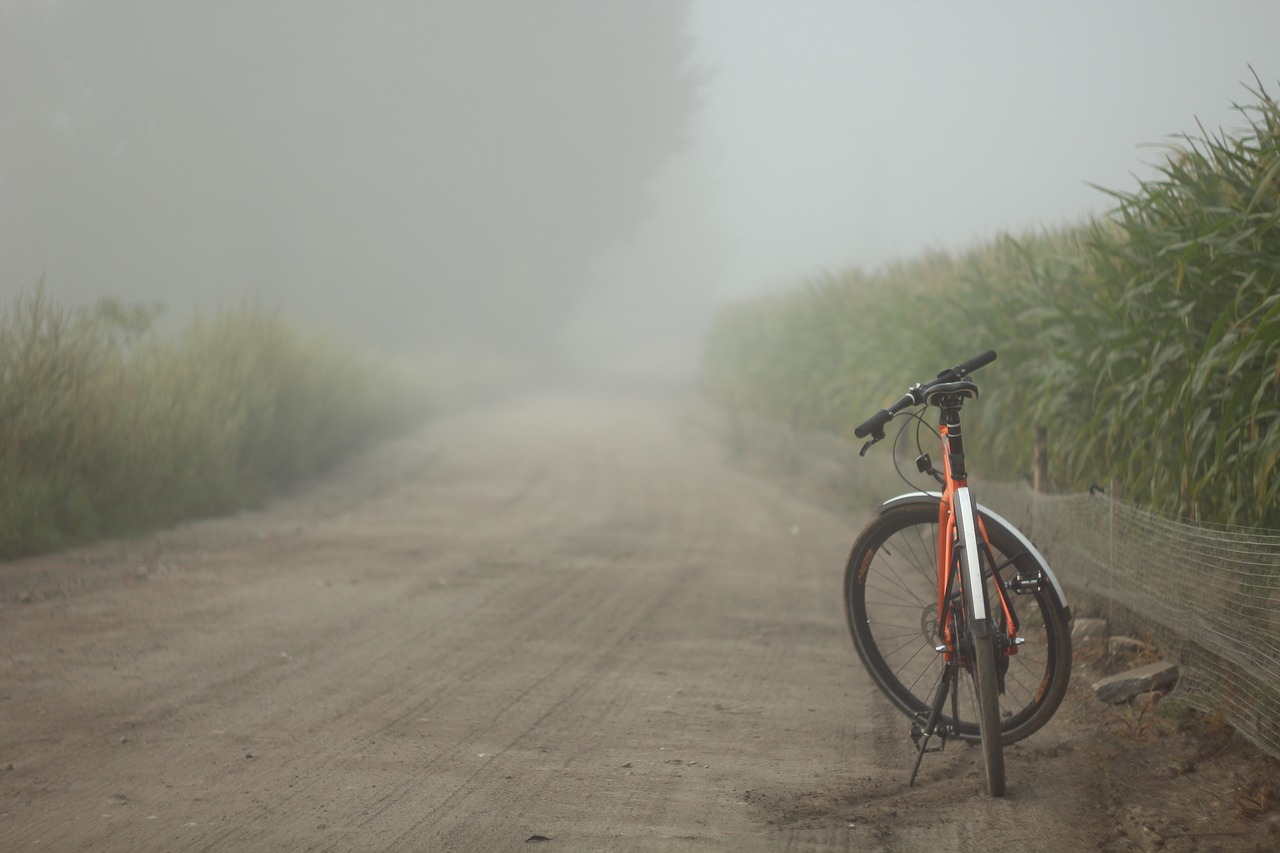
pixel 991 519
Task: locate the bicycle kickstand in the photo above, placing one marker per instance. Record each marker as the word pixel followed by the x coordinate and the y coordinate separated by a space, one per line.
pixel 921 737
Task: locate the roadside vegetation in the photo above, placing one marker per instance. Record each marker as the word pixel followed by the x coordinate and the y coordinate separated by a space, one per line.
pixel 109 427
pixel 1146 340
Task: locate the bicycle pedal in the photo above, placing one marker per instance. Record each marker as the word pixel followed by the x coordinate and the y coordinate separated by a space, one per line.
pixel 1023 585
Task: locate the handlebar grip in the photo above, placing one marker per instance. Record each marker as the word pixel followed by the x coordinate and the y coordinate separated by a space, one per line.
pixel 873 425
pixel 965 368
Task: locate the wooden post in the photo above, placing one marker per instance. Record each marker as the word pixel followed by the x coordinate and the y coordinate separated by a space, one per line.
pixel 1040 480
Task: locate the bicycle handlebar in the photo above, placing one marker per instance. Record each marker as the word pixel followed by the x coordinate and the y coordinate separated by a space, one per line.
pixel 874 425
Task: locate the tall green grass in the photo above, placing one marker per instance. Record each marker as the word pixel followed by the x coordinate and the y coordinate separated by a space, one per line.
pixel 108 427
pixel 1147 340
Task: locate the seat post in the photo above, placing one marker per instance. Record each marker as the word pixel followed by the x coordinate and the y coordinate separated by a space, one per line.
pixel 950 404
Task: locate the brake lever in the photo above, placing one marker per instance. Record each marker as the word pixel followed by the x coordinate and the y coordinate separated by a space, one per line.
pixel 874 440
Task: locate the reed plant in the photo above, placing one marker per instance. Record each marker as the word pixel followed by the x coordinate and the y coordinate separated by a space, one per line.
pixel 108 427
pixel 1146 339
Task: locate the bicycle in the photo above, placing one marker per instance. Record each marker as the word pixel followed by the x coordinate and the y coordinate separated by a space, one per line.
pixel 946 599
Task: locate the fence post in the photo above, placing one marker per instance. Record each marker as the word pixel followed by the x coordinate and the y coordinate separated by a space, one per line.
pixel 1040 479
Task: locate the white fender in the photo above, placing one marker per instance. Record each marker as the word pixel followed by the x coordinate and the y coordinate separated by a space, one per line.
pixel 991 518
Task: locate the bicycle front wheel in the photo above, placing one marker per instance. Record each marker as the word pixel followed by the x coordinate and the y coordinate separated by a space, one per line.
pixel 891 602
pixel 987 691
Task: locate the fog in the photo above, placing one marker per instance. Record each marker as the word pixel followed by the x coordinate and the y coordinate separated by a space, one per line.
pixel 576 184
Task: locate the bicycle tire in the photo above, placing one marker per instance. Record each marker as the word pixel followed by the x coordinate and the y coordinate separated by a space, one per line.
pixel 976 627
pixel 891 607
pixel 986 685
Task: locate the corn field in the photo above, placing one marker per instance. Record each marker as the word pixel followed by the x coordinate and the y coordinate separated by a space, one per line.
pixel 108 427
pixel 1147 340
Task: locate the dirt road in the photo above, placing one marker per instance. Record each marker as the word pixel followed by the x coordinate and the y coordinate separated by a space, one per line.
pixel 560 618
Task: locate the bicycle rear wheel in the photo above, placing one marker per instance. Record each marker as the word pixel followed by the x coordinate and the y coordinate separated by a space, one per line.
pixel 891 602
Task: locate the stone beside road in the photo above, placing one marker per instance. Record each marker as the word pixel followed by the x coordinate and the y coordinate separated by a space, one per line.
pixel 1124 686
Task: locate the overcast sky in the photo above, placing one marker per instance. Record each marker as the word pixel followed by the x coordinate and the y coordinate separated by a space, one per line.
pixel 841 132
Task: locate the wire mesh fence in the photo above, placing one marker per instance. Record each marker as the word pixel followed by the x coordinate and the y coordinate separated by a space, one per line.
pixel 1210 594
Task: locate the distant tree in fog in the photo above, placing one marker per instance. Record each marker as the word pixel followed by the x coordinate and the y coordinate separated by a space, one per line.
pixel 409 170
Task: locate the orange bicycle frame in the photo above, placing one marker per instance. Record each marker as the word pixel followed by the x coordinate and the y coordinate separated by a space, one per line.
pixel 947 555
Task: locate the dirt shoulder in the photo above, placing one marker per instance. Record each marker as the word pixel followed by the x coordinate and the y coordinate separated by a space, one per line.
pixel 564 617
